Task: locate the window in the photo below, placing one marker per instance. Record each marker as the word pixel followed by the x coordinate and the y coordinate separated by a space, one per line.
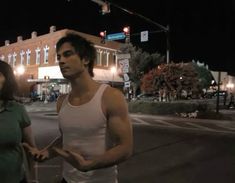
pixel 98 57
pixel 14 59
pixel 28 53
pixel 115 59
pixel 46 54
pixel 105 58
pixel 22 57
pixel 9 58
pixel 37 55
pixel 56 60
pixel 2 57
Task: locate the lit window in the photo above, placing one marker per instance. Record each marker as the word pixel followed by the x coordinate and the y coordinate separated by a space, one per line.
pixel 46 54
pixel 2 57
pixel 14 59
pixel 28 53
pixel 98 57
pixel 9 59
pixel 38 55
pixel 105 56
pixel 56 60
pixel 22 57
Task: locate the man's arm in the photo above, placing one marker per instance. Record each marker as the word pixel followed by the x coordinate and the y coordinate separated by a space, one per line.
pixel 119 126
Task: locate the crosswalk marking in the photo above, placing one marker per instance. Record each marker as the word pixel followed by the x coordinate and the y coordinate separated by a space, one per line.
pixel 190 125
pixel 166 123
pixel 225 127
pixel 199 126
pixel 140 121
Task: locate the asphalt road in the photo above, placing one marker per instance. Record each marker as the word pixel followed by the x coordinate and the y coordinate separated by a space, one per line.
pixel 166 150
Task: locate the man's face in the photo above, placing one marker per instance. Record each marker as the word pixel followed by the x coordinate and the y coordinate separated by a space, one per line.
pixel 2 81
pixel 71 65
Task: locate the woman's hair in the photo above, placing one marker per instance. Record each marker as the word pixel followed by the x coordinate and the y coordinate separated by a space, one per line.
pixel 10 85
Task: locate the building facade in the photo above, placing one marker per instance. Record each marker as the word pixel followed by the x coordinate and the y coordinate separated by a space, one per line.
pixel 35 64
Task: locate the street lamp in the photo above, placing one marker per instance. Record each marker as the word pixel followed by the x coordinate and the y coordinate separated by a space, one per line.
pixel 113 71
pixel 230 86
pixel 20 70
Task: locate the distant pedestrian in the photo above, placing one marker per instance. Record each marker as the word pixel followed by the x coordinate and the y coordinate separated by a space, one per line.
pixel 231 102
pixel 225 97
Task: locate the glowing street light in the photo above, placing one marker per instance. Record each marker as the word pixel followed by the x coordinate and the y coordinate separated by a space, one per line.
pixel 20 70
pixel 230 86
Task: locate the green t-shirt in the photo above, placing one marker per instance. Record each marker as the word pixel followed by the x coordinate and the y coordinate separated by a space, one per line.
pixel 12 120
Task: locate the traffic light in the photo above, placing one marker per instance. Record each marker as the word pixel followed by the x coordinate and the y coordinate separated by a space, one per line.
pixel 103 36
pixel 126 31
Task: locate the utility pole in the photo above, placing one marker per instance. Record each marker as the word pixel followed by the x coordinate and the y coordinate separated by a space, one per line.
pixel 168 44
pixel 163 28
pixel 218 90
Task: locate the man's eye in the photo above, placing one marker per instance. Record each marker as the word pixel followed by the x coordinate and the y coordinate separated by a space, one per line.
pixel 67 54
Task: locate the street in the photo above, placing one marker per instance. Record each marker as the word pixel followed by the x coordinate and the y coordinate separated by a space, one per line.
pixel 166 150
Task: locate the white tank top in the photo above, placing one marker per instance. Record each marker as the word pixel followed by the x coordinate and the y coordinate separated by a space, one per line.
pixel 84 129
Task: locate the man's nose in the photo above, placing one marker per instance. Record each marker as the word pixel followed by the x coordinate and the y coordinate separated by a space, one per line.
pixel 61 61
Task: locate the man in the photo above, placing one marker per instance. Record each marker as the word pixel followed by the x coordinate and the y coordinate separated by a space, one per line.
pixel 96 133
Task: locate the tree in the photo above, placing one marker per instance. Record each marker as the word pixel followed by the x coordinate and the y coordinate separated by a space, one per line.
pixel 140 63
pixel 175 77
pixel 204 75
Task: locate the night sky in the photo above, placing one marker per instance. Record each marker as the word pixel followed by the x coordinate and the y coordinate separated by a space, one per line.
pixel 200 30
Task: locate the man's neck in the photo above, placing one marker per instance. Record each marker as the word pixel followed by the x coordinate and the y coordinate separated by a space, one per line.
pixel 80 86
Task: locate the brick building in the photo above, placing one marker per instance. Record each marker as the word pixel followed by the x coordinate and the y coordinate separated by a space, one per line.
pixel 36 67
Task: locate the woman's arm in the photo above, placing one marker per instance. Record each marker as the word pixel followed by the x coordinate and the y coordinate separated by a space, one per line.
pixel 29 139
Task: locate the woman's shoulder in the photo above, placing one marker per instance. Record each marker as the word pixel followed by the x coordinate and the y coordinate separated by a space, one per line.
pixel 12 104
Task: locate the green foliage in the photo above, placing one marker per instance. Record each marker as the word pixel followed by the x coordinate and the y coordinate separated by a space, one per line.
pixel 141 62
pixel 204 75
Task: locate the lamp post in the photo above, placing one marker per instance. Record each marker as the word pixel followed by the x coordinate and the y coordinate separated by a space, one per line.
pixel 113 71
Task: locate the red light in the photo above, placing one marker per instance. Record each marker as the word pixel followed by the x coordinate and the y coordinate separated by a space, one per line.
pixel 102 34
pixel 126 29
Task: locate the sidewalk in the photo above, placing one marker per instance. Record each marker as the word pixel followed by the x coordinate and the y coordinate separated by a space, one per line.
pixel 41 106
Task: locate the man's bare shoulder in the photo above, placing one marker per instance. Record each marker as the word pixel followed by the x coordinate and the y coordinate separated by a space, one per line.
pixel 60 101
pixel 113 96
pixel 112 93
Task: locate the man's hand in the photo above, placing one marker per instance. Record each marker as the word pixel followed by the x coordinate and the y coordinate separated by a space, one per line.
pixel 33 151
pixel 37 155
pixel 74 158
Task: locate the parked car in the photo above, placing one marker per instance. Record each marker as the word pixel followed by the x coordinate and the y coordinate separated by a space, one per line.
pixel 221 93
pixel 147 97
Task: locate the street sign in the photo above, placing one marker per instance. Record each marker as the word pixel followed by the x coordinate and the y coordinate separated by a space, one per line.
pixel 124 56
pixel 116 36
pixel 126 77
pixel 127 84
pixel 124 62
pixel 144 36
pixel 124 65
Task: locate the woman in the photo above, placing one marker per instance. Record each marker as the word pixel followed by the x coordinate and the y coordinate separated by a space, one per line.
pixel 15 128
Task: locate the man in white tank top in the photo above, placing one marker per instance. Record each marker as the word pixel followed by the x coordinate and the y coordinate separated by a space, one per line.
pixel 96 133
